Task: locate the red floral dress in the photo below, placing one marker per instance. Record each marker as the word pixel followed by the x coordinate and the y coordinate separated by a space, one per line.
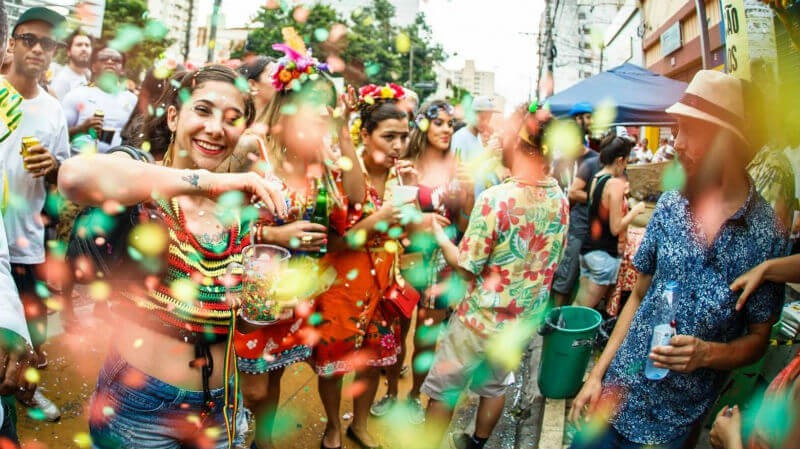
pixel 291 340
pixel 356 328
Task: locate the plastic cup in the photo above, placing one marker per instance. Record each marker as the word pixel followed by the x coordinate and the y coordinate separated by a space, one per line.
pixel 404 194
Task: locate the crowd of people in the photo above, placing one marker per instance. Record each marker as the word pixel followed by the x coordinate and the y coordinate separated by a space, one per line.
pixel 397 222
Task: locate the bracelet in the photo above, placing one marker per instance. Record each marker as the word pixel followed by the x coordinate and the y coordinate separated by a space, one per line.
pixel 256 231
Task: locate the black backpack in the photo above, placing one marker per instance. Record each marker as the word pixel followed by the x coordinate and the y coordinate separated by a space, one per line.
pixel 98 243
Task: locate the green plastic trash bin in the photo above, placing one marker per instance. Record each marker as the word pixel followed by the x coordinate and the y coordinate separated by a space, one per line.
pixel 569 334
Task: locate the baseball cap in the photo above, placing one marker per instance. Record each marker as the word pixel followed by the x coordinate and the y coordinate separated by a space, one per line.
pixel 484 103
pixel 40 13
pixel 581 108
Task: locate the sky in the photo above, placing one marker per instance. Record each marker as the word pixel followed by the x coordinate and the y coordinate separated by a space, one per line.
pixel 487 31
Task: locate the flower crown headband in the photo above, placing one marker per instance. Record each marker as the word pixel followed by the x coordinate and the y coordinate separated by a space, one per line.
pixel 369 95
pixel 297 65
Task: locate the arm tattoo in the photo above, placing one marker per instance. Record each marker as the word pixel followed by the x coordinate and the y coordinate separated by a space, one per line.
pixel 193 179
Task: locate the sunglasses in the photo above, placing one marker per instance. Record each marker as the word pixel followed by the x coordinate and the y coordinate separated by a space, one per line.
pixel 111 59
pixel 30 41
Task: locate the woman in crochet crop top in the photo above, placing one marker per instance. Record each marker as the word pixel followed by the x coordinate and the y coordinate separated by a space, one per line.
pixel 204 117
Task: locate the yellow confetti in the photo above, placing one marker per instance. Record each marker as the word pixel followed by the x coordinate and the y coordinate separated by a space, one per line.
pixel 138 343
pixel 194 419
pixel 99 290
pixel 402 43
pixel 423 124
pixel 505 348
pixel 82 439
pixel 390 246
pixel 150 239
pixel 184 290
pixel 345 163
pixel 32 375
pixel 213 432
pixel 604 114
pixel 54 304
pixel 564 139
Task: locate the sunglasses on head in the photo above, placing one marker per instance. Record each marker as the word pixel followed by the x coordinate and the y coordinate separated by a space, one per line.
pixel 30 41
pixel 433 111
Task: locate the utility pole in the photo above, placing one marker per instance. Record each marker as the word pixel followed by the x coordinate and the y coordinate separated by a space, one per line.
pixel 212 38
pixel 188 37
pixel 411 67
pixel 700 6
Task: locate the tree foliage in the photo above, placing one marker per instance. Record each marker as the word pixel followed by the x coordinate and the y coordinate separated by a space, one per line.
pixel 120 18
pixel 369 48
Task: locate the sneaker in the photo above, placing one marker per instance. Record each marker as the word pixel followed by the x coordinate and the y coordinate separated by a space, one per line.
pixel 50 410
pixel 459 440
pixel 383 406
pixel 416 413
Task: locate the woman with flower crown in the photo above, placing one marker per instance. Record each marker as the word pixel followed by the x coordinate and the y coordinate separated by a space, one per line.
pixel 297 159
pixel 358 329
pixel 446 195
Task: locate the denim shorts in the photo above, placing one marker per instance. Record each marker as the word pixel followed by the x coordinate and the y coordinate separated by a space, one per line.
pixel 131 409
pixel 600 267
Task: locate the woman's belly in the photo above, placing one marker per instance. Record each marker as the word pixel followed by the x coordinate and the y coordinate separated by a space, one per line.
pixel 166 358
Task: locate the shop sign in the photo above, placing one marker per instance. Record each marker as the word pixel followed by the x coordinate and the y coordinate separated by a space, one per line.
pixel 671 39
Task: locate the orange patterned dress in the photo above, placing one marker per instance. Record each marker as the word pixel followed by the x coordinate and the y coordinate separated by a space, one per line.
pixel 290 340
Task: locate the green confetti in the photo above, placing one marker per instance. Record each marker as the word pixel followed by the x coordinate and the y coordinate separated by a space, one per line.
pixel 155 30
pixel 230 200
pixel 36 414
pixel 372 68
pixel 294 242
pixel 184 95
pixel 108 82
pixel 382 226
pixel 315 319
pixel 242 84
pixel 41 289
pixel 127 36
pixel 321 34
pixel 159 111
pixel 395 232
pixel 289 109
pixel 423 362
pixel 352 274
pixel 674 177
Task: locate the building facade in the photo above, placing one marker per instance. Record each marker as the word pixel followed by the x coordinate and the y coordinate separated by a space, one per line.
pixel 90 23
pixel 476 82
pixel 672 37
pixel 180 17
pixel 623 37
pixel 572 41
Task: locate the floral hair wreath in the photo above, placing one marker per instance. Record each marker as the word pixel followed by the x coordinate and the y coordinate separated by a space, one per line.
pixel 297 65
pixel 422 120
pixel 368 95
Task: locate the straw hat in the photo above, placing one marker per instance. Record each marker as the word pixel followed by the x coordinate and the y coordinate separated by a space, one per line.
pixel 716 98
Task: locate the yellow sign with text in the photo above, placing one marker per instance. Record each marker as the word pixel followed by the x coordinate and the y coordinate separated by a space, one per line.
pixel 737 56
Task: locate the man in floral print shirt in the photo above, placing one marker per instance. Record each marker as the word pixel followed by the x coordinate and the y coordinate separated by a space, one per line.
pixel 510 250
pixel 704 237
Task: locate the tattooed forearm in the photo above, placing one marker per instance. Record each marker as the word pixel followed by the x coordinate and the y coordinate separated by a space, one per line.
pixel 193 179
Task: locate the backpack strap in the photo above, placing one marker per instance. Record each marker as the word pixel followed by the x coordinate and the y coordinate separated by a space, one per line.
pixel 133 152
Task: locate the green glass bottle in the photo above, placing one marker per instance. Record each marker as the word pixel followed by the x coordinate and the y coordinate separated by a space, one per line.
pixel 320 215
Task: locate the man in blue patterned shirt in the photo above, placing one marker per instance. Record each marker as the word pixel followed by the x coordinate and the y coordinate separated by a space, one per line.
pixel 703 238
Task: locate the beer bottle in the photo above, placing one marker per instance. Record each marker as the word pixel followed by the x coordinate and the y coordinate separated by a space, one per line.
pixel 320 215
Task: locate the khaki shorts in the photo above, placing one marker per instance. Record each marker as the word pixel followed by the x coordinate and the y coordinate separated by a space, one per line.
pixel 461 361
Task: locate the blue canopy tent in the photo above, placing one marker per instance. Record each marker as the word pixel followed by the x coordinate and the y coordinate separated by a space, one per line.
pixel 640 95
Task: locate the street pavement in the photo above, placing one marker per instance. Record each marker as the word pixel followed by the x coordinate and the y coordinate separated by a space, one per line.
pixel 75 359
